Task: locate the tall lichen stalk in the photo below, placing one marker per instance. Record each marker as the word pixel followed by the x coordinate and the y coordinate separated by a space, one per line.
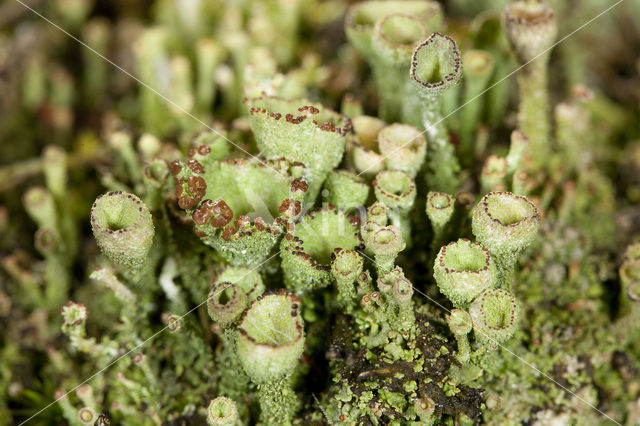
pixel 531 28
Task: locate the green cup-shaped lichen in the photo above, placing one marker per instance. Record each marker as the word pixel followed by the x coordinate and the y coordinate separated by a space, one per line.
pixel 385 243
pixel 495 315
pixel 156 171
pixel 494 173
pixel 404 148
pixel 368 228
pixel 347 190
pixel 41 207
pixel 307 249
pixel 425 409
pixel 504 222
pixel 362 147
pixel 385 33
pixel 439 209
pixel 394 38
pixel 222 411
pixel 377 213
pixel 395 189
pixel 404 319
pixel 530 26
pixel 226 303
pixel 86 416
pixel 270 340
pixel 629 273
pixel 362 18
pixel 518 146
pixel 630 269
pixel 436 67
pixel 459 322
pixel 402 291
pixel 54 166
pixel 531 29
pixel 386 280
pixel 234 211
pixel 477 70
pixel 366 129
pixel 345 268
pixel 247 279
pixel 299 131
pixel 123 228
pixel 463 269
pixel 271 337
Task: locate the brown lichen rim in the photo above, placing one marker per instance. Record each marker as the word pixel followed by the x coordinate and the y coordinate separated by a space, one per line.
pixel 371 211
pixel 78 321
pixel 386 281
pixel 440 194
pixel 394 44
pixel 134 198
pixel 232 233
pixel 327 126
pixel 400 296
pixel 147 166
pixel 405 194
pixel 544 17
pixel 216 292
pixel 295 244
pixel 443 254
pixel 295 304
pixel 229 405
pixel 535 217
pixel 452 76
pixel 383 229
pixel 242 222
pixel 514 309
pixel 342 253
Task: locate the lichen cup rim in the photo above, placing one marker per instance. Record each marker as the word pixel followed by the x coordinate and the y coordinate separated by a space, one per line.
pixel 97 220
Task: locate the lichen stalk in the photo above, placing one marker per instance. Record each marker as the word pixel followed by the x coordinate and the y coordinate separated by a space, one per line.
pixel 436 66
pixel 531 29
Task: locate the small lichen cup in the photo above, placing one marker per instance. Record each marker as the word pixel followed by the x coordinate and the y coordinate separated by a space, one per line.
pixel 222 411
pixel 505 223
pixel 226 303
pixel 269 342
pixel 385 243
pixel 462 270
pixel 461 324
pixel 307 249
pixel 345 268
pixel 123 228
pixel 495 315
pixel 404 148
